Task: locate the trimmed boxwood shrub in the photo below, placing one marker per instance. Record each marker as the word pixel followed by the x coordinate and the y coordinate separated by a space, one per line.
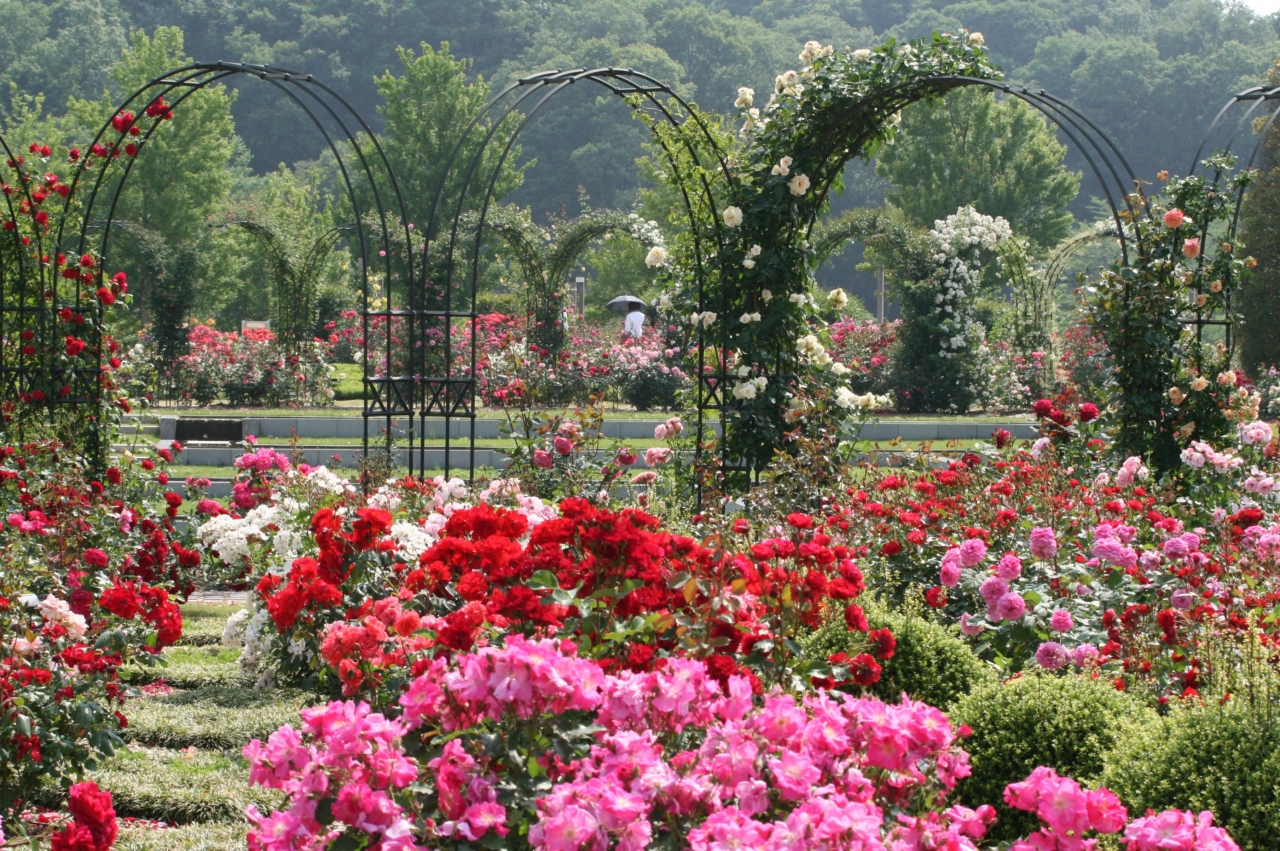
pixel 1221 758
pixel 1068 723
pixel 928 664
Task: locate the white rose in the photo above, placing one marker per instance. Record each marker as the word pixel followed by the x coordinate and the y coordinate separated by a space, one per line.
pixel 838 298
pixel 755 251
pixel 745 96
pixel 708 319
pixel 862 54
pixel 840 369
pixel 749 263
pixel 732 216
pixel 656 256
pixel 664 302
pixel 977 39
pixel 799 184
pixel 766 296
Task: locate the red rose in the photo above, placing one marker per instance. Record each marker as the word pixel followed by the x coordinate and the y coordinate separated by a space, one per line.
pixel 882 643
pixel 855 619
pixel 891 548
pixel 936 597
pixel 95 557
pixel 800 521
pixel 864 670
pixel 472 585
pixel 1042 407
pixel 121 600
pixel 74 346
pixel 1088 411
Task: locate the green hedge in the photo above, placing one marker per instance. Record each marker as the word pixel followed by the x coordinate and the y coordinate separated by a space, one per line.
pixel 175 787
pixel 929 663
pixel 214 717
pixel 1068 723
pixel 1225 759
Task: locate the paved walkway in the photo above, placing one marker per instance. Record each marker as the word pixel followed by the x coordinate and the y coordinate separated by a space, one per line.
pixel 225 597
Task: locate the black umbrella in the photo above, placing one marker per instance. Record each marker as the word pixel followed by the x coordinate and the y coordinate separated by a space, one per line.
pixel 626 304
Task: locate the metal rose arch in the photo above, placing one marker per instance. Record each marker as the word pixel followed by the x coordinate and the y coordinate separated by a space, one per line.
pixel 837 107
pixel 444 371
pixel 42 299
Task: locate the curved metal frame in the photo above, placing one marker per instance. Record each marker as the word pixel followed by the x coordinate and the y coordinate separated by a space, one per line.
pixel 336 120
pixel 449 395
pixel 1257 96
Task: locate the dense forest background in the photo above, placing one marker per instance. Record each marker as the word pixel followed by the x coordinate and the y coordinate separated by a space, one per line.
pixel 1151 73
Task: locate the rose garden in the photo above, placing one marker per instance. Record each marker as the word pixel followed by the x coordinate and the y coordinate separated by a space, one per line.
pixel 475 571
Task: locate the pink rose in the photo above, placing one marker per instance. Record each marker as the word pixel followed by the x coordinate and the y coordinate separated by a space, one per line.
pixel 542 459
pixel 1191 248
pixel 1174 218
pixel 563 445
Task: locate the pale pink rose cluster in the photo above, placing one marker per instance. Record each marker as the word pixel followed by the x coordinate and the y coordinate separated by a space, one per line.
pixel 1255 432
pixel 1130 471
pixel 1200 453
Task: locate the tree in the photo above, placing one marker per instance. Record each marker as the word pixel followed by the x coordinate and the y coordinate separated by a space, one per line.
pixel 999 156
pixel 428 109
pixel 182 174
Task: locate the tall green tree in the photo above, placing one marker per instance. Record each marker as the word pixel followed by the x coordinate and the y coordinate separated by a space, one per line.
pixel 182 174
pixel 428 108
pixel 969 148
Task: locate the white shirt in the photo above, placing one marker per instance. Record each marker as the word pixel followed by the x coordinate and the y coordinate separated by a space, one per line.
pixel 633 326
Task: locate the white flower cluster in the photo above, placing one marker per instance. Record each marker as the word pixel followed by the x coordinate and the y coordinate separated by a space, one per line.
pixel 748 318
pixel 749 259
pixel 233 632
pixel 814 50
pixel 230 538
pixel 411 541
pixel 788 83
pixel 810 347
pixel 957 240
pixel 706 319
pixel 849 400
pixel 749 388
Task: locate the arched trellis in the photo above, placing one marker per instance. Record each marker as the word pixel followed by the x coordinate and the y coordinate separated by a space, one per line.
pixel 444 379
pixel 450 384
pixel 850 117
pixel 85 230
pixel 1256 100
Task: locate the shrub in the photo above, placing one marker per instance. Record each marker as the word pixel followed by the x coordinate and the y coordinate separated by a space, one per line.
pixel 929 663
pixel 653 386
pixel 1225 759
pixel 1067 723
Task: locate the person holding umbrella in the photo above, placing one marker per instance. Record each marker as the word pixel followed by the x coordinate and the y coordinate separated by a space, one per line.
pixel 633 321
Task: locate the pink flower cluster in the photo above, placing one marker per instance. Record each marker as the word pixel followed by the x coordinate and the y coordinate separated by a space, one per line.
pixel 355 762
pixel 1070 813
pixel 820 773
pixel 263 460
pixel 676 754
pixel 526 677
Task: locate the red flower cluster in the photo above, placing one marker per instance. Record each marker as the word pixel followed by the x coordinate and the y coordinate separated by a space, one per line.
pixel 93 826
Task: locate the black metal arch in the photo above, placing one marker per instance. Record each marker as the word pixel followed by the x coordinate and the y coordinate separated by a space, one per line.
pixel 1258 98
pixel 334 118
pixel 1108 164
pixel 443 383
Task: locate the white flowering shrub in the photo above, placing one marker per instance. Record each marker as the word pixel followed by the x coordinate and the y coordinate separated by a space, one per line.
pixel 938 366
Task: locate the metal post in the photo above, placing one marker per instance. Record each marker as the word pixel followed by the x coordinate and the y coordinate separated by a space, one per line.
pixel 880 295
pixel 580 294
